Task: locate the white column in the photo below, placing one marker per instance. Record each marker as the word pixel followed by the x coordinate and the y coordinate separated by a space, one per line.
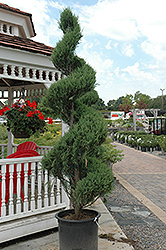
pixel 11 205
pixel 34 74
pixel 10 136
pixel 33 186
pixel 20 71
pixel 53 76
pixel 5 69
pixel 18 204
pixel 65 128
pixel 27 72
pixel 59 75
pixel 12 70
pixel 46 189
pixel 40 74
pixel 8 29
pixel 39 200
pixel 58 195
pixel 3 190
pixel 52 196
pixel 25 187
pixel 47 74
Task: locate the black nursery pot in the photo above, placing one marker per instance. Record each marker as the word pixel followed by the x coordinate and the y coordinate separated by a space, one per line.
pixel 78 234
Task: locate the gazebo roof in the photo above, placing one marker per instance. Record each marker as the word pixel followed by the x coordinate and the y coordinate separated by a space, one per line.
pixel 25 44
pixel 24 63
pixel 8 8
pixel 5 6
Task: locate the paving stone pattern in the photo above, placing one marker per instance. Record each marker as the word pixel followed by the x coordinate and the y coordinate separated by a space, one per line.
pixel 144 171
pixel 137 222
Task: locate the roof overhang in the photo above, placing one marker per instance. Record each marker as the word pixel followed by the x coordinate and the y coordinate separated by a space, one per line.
pixel 17 17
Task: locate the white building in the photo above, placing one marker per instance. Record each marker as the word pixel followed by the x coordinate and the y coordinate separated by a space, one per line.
pixel 24 63
pixel 25 66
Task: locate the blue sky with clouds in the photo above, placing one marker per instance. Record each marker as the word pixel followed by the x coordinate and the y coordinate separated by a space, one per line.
pixel 124 40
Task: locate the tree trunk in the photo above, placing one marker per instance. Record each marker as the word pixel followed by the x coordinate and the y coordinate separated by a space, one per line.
pixel 77 206
pixel 72 116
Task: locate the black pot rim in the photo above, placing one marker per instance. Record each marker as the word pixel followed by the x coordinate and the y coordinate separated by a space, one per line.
pixel 57 216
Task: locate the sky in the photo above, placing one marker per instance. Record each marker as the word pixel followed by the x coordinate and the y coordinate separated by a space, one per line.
pixel 123 40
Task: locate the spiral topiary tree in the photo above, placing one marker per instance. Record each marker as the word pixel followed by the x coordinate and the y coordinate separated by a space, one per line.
pixel 77 158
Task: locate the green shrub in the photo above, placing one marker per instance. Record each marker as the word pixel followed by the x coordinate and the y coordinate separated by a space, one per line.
pixel 51 135
pixel 162 142
pixel 108 122
pixel 3 132
pixel 111 153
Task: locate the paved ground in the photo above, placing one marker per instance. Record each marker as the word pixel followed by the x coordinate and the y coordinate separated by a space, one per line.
pixel 138 223
pixel 144 175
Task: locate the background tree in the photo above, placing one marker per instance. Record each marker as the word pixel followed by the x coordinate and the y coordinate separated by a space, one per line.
pixel 100 105
pixel 157 102
pixel 141 100
pixel 126 107
pixel 141 105
pixel 111 104
pixel 114 104
pixel 127 103
pixel 77 159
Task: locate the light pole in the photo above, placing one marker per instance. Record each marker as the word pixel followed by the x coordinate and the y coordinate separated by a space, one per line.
pixel 162 97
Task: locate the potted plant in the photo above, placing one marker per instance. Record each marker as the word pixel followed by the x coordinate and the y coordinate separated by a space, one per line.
pixel 162 143
pixel 23 118
pixel 77 158
pixel 111 155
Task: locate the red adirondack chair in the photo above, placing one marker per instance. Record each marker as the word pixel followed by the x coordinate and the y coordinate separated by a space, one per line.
pixel 25 149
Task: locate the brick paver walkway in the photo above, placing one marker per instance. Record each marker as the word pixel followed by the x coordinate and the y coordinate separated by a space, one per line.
pixel 145 172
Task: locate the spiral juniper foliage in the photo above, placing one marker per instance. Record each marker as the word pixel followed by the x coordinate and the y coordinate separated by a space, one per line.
pixel 77 158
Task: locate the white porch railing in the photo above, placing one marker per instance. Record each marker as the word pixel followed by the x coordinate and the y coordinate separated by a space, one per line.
pixel 27 73
pixel 29 198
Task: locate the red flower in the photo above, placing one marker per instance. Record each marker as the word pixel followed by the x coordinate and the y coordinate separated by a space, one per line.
pixel 41 117
pixel 1 112
pixel 28 102
pixel 50 120
pixel 32 105
pixel 30 114
pixel 20 109
pixel 6 108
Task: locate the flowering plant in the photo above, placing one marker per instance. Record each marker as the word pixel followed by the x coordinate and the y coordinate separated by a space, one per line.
pixel 23 117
